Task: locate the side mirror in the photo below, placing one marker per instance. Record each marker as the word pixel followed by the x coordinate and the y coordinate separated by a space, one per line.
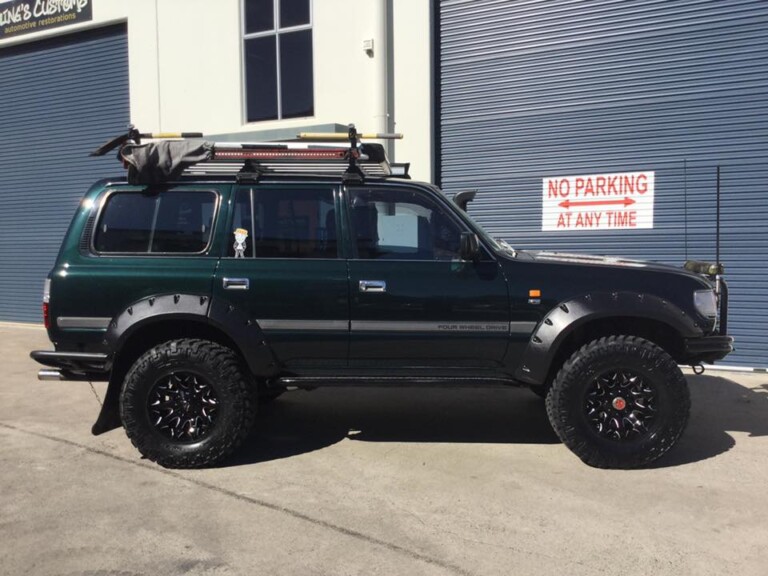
pixel 469 247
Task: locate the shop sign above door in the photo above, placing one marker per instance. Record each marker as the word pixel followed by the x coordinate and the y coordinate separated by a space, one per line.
pixel 598 202
pixel 26 16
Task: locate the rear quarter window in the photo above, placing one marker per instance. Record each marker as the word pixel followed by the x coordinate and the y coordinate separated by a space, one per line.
pixel 170 222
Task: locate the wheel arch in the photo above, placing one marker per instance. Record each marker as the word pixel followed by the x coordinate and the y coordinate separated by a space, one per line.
pixel 573 323
pixel 157 319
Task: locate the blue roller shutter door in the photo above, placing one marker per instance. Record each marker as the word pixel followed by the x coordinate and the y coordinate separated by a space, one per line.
pixel 546 89
pixel 59 99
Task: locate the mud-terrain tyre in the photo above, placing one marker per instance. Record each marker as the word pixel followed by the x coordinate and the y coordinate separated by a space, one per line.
pixel 619 402
pixel 187 403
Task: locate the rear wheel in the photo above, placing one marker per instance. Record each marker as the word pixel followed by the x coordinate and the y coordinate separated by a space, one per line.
pixel 187 403
pixel 619 402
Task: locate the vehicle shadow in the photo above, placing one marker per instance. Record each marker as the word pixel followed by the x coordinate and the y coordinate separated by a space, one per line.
pixel 302 422
pixel 720 405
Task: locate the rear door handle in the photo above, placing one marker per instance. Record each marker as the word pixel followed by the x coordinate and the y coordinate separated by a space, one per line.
pixel 236 283
pixel 373 286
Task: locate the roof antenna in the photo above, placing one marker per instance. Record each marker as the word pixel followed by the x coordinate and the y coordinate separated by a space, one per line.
pixel 717 223
pixel 685 203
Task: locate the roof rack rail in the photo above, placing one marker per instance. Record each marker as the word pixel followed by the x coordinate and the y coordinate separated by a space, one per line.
pixel 172 155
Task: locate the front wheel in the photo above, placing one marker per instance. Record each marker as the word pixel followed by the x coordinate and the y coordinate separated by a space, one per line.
pixel 619 402
pixel 187 403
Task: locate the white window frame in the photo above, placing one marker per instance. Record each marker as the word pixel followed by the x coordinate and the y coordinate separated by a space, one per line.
pixel 275 31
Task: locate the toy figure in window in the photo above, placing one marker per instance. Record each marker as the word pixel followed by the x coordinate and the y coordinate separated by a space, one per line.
pixel 240 235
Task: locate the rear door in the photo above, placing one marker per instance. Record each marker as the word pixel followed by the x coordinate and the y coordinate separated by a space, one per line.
pixel 282 266
pixel 414 303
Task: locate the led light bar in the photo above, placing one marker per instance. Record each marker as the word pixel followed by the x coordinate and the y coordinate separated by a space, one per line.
pixel 278 154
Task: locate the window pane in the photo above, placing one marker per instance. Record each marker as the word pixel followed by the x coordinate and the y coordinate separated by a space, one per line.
pixel 184 221
pixel 294 13
pixel 261 78
pixel 402 225
pixel 126 223
pixel 296 74
pixel 294 224
pixel 259 15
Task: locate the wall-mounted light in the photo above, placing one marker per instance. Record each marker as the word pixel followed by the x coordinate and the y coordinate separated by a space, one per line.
pixel 368 47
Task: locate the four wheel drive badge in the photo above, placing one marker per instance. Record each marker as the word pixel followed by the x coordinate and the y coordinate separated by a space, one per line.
pixel 240 235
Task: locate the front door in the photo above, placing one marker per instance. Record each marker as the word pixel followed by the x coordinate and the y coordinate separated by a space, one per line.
pixel 414 303
pixel 283 266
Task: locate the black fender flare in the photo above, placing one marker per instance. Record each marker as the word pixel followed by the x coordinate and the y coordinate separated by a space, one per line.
pixel 219 314
pixel 567 316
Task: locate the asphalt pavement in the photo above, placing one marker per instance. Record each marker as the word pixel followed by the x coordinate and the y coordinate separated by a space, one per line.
pixel 378 481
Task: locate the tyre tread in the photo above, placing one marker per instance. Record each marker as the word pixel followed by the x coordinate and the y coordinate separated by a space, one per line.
pixel 563 388
pixel 228 365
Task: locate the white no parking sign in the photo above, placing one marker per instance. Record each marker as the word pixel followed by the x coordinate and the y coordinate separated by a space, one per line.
pixel 598 202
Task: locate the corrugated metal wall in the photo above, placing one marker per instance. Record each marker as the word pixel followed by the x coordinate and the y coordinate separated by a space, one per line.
pixel 540 89
pixel 59 99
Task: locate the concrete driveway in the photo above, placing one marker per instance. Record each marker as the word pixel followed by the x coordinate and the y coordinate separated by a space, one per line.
pixel 374 481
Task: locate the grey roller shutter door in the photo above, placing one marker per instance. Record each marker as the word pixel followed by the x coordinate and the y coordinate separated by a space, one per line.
pixel 59 99
pixel 545 89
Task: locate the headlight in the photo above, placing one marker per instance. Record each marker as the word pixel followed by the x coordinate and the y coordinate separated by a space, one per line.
pixel 705 303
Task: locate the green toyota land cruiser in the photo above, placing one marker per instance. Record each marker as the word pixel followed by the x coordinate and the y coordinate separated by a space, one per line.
pixel 216 276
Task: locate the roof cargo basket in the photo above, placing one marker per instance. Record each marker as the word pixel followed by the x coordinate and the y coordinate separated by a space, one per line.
pixel 173 155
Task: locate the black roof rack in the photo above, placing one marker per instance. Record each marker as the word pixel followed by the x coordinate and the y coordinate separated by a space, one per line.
pixel 173 155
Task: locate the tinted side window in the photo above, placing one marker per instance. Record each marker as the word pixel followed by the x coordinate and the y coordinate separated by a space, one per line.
pixel 402 225
pixel 298 223
pixel 126 223
pixel 184 221
pixel 168 222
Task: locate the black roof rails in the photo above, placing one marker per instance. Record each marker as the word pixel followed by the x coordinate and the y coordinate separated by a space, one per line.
pixel 178 154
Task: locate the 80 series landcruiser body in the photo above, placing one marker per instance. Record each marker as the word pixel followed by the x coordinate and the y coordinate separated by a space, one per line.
pixel 201 293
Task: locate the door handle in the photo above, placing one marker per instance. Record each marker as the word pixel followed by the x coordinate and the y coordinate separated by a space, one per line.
pixel 373 286
pixel 236 283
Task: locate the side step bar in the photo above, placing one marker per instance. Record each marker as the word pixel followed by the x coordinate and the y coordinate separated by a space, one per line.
pixel 437 381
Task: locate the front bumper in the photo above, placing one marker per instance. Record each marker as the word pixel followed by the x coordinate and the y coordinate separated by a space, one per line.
pixel 707 348
pixel 90 366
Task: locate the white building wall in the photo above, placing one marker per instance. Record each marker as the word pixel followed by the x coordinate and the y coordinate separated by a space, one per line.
pixel 412 79
pixel 185 67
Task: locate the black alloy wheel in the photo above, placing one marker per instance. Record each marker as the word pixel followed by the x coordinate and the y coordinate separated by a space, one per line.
pixel 188 403
pixel 619 402
pixel 183 406
pixel 620 405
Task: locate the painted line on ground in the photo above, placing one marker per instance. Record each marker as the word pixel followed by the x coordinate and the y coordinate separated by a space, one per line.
pixel 256 501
